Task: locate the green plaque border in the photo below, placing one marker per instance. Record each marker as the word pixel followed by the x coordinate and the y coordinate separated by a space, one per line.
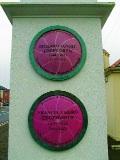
pixel 54 93
pixel 61 77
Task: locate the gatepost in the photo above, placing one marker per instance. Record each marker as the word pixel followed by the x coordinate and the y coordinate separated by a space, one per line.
pixel 57 108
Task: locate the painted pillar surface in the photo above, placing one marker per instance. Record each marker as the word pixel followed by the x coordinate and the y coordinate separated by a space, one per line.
pixel 27 85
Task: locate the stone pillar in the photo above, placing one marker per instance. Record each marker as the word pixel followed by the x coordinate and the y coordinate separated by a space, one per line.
pixel 88 85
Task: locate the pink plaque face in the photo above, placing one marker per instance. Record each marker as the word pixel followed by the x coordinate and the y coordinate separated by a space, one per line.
pixel 57 121
pixel 57 53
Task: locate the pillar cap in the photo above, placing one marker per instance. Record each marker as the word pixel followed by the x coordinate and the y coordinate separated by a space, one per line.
pixel 85 10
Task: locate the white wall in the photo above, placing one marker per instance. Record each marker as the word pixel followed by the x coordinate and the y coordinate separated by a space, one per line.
pixel 27 85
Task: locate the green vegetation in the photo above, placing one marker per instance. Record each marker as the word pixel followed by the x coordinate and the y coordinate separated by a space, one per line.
pixel 4 142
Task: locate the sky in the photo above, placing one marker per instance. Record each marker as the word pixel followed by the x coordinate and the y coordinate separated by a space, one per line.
pixel 110 40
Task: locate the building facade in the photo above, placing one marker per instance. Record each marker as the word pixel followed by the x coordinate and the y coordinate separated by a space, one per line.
pixel 4 96
pixel 112 78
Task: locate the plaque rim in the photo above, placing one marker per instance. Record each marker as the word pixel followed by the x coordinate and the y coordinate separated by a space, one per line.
pixel 50 76
pixel 55 93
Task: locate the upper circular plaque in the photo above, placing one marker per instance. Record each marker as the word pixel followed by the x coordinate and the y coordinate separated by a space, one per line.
pixel 57 53
pixel 58 120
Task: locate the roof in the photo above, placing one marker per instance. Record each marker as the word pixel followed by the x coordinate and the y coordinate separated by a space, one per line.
pixel 114 68
pixel 116 64
pixel 22 9
pixel 2 88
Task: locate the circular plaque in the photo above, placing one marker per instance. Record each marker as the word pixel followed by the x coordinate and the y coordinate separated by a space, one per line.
pixel 57 53
pixel 58 120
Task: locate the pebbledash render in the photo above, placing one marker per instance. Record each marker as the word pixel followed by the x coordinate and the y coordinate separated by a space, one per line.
pixel 86 18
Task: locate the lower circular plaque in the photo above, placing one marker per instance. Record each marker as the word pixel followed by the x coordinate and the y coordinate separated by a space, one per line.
pixel 58 120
